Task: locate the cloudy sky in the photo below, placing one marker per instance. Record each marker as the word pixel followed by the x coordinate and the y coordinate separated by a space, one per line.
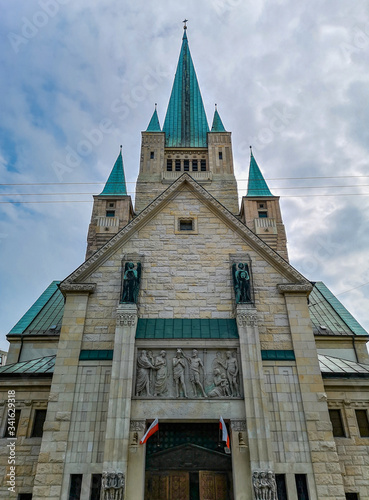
pixel 80 78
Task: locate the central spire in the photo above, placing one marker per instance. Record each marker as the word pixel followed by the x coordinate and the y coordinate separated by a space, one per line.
pixel 185 123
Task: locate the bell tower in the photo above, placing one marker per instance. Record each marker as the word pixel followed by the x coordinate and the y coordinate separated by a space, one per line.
pixel 261 212
pixel 185 143
pixel 112 209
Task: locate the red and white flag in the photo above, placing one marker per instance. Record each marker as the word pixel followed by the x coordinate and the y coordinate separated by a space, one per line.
pixel 223 428
pixel 150 431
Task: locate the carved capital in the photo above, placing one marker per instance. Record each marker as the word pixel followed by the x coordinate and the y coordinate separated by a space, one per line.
pixel 238 425
pixel 126 319
pixel 137 425
pixel 247 319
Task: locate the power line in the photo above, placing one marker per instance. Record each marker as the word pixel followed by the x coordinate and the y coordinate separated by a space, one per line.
pixel 135 182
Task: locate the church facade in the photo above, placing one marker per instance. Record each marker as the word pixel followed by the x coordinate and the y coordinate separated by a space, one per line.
pixel 186 310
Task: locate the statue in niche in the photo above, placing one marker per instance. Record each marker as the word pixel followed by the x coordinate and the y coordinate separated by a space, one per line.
pixel 112 486
pixel 131 282
pixel 179 366
pixel 160 386
pixel 272 486
pixel 195 364
pixel 241 282
pixel 221 385
pixel 230 364
pixel 144 367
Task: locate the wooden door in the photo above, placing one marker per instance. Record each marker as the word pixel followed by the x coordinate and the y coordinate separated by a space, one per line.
pixel 213 486
pixel 167 486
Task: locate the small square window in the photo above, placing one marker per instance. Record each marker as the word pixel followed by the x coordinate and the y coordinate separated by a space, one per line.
pixel 185 225
pixel 220 155
pixel 110 213
pixel 262 205
pixel 362 422
pixel 352 496
pixel 203 165
pixel 152 155
pixel 263 215
pixel 112 204
pixel 12 422
pixel 24 496
pixel 194 166
pixel 337 424
pixel 186 165
pixel 178 165
pixel 38 423
pixel 169 165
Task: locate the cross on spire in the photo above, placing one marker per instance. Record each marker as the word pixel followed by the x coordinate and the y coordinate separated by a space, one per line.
pixel 185 24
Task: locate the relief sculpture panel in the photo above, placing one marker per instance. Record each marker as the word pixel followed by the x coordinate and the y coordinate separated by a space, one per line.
pixel 188 373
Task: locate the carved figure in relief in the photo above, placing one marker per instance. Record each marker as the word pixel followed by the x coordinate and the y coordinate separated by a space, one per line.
pixel 241 283
pixel 195 366
pixel 112 486
pixel 179 366
pixel 160 386
pixel 144 367
pixel 257 486
pixel 272 486
pixel 131 282
pixel 231 367
pixel 221 384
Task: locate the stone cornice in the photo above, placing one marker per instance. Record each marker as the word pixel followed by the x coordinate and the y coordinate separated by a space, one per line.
pixel 150 211
pixel 67 287
pixel 300 288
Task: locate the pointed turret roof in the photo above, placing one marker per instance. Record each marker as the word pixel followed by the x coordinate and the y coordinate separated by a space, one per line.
pixel 154 125
pixel 116 183
pixel 256 184
pixel 185 122
pixel 217 122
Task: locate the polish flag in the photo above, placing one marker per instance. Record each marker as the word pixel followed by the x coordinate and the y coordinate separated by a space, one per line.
pixel 150 431
pixel 223 428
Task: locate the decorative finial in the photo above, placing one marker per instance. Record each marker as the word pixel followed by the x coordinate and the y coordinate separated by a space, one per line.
pixel 156 104
pixel 216 106
pixel 251 150
pixel 121 147
pixel 185 24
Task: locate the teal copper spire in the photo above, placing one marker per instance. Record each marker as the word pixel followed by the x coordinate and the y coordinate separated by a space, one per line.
pixel 217 122
pixel 185 122
pixel 154 125
pixel 256 184
pixel 116 183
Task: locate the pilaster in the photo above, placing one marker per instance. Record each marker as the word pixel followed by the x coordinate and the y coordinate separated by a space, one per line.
pixel 324 457
pixel 119 410
pixel 256 409
pixel 50 467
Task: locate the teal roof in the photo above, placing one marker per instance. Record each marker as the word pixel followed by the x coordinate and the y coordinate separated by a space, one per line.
pixel 178 328
pixel 185 122
pixel 154 125
pixel 45 315
pixel 217 123
pixel 331 366
pixel 116 183
pixel 40 366
pixel 327 311
pixel 256 184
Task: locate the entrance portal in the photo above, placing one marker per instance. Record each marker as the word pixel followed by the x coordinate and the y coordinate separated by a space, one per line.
pixel 187 462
